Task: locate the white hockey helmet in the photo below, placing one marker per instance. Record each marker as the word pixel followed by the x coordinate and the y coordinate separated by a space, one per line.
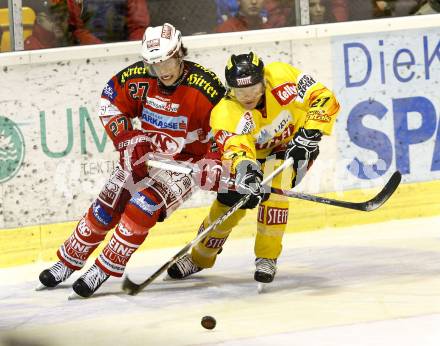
pixel 160 43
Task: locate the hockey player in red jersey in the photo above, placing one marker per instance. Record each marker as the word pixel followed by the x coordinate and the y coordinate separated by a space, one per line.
pixel 172 98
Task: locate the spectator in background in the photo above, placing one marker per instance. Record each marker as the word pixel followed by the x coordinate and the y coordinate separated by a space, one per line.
pixel 57 24
pixel 192 17
pixel 97 21
pixel 393 8
pixel 320 12
pixel 226 9
pixel 249 16
pixel 51 28
pixel 428 7
pixel 346 10
pixel 340 10
pixel 278 13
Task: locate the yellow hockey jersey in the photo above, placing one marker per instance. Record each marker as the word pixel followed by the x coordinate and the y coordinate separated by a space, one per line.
pixel 292 100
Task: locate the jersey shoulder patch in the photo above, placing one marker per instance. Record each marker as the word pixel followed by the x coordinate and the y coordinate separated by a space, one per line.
pixel 135 70
pixel 287 83
pixel 205 81
pixel 230 116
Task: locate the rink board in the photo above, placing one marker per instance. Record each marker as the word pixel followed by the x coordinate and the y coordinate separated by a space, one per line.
pixel 31 244
pixel 385 74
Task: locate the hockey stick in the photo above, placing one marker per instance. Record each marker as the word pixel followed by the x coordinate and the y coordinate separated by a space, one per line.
pixel 369 205
pixel 132 288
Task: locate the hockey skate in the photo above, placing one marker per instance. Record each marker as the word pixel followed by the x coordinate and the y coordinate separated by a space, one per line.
pixel 88 283
pixel 53 276
pixel 183 268
pixel 265 272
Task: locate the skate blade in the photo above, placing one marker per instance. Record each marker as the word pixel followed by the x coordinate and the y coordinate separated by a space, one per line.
pixel 41 287
pixel 169 278
pixel 261 288
pixel 74 296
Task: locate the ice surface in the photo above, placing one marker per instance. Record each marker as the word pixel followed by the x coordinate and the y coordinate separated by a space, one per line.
pixel 366 285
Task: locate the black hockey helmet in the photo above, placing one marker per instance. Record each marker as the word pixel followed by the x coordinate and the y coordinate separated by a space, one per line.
pixel 244 70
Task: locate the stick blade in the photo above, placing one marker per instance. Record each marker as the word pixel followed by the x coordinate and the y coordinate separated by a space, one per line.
pixel 385 193
pixel 130 287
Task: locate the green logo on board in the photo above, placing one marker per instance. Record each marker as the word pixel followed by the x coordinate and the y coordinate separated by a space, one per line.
pixel 11 149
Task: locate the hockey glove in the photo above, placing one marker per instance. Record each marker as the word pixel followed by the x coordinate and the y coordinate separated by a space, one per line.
pixel 248 179
pixel 304 149
pixel 133 147
pixel 209 172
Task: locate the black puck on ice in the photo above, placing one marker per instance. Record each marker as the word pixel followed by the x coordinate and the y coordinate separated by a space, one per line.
pixel 208 322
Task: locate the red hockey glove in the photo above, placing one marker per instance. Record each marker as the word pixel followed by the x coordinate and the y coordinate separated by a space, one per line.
pixel 209 172
pixel 133 147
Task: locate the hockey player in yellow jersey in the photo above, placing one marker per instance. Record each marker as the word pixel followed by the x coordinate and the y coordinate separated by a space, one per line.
pixel 269 114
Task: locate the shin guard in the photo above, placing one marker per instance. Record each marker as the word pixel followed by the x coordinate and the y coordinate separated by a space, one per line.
pixel 88 234
pixel 130 233
pixel 80 245
pixel 204 253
